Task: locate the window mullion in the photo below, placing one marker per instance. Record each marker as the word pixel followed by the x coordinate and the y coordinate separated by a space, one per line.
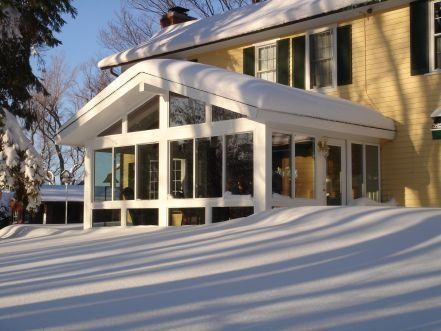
pixel 364 171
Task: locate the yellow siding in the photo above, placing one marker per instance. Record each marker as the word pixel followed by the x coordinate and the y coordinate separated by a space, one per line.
pixel 411 164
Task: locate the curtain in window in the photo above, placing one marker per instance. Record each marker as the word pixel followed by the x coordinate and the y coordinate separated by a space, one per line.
pixel 321 59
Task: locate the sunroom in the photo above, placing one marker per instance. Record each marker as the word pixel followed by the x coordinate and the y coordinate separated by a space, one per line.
pixel 175 143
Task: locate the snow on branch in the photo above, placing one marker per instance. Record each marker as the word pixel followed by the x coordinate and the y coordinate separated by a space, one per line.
pixel 21 167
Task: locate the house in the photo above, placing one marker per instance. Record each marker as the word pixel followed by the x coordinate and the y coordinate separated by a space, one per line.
pixel 280 103
pixel 53 204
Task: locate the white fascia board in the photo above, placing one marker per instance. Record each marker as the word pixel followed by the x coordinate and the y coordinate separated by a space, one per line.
pixel 109 105
pixel 320 124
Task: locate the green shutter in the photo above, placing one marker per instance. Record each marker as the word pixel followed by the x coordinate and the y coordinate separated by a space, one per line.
pixel 249 65
pixel 283 61
pixel 419 37
pixel 298 60
pixel 344 55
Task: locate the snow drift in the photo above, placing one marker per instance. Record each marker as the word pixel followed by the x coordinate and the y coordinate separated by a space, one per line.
pixel 346 268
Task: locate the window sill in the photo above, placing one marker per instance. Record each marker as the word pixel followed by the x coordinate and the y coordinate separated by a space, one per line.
pixel 325 89
pixel 433 72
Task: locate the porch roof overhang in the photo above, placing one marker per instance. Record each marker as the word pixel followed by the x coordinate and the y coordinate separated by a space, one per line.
pixel 258 99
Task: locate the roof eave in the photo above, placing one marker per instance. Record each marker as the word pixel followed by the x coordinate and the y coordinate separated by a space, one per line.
pixel 259 35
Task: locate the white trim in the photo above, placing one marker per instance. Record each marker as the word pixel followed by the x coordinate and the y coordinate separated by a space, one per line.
pixel 343 171
pixel 432 36
pixel 266 42
pixel 349 167
pixel 256 60
pixel 293 200
pixel 333 86
pixel 135 184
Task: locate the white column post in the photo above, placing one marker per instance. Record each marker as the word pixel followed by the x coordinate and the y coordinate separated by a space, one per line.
pixel 163 160
pixel 208 214
pixel 88 188
pixel 262 168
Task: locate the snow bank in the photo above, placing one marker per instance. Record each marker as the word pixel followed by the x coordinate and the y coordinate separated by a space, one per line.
pixel 308 268
pixel 34 231
pixel 369 202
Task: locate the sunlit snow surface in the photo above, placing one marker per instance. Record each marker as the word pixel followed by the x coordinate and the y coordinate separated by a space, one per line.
pixel 319 268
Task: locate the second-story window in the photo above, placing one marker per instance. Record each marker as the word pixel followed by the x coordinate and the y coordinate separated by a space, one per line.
pixel 437 33
pixel 266 66
pixel 321 59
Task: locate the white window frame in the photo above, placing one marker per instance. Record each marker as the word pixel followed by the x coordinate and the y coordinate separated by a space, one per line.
pixel 293 135
pixel 432 36
pixel 154 183
pixel 349 169
pixel 272 43
pixel 333 29
pixel 175 179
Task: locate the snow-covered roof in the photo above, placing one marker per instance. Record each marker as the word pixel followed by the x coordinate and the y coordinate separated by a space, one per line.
pixel 243 22
pixel 258 99
pixel 436 113
pixel 57 193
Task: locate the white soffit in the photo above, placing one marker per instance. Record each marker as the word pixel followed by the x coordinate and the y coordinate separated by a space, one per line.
pixel 239 24
pixel 260 100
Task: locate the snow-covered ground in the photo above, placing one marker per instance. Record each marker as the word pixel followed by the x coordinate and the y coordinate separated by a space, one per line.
pixel 314 268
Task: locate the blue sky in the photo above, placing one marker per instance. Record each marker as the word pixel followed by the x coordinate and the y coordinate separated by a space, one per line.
pixel 80 35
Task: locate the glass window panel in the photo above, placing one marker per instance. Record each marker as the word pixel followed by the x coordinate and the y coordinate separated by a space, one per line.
pixel 145 117
pixel 103 175
pixel 106 217
pixel 209 167
pixel 267 62
pixel 437 17
pixel 239 163
pixel 282 164
pixel 222 114
pixel 357 171
pixel 186 216
pixel 333 176
pixel 147 216
pixel 222 214
pixel 181 169
pixel 148 172
pixel 321 59
pixel 184 110
pixel 305 167
pixel 113 129
pixel 124 170
pixel 438 52
pixel 372 173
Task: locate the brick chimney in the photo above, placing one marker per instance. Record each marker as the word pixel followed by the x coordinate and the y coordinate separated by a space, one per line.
pixel 175 15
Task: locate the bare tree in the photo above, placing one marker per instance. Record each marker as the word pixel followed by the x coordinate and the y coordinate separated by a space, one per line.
pixel 126 30
pixel 51 110
pixel 139 19
pixel 203 8
pixel 93 82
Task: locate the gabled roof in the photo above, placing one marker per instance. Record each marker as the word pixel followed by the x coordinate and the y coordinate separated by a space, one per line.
pixel 236 24
pixel 260 100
